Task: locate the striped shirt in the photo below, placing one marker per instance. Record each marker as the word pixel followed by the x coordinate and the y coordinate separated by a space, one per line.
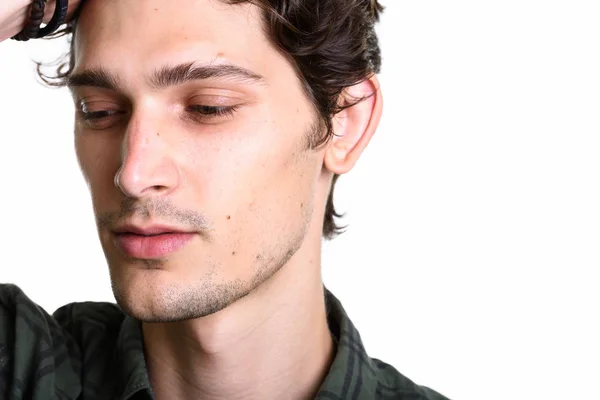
pixel 94 351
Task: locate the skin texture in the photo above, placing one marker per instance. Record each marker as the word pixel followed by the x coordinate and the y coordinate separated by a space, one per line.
pixel 243 300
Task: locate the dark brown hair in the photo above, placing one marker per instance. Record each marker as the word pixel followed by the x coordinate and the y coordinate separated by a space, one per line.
pixel 332 44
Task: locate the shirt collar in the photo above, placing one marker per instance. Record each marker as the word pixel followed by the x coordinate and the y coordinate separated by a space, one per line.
pixel 352 373
pixel 131 363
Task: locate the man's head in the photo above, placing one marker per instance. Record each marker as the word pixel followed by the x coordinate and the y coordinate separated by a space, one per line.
pixel 223 124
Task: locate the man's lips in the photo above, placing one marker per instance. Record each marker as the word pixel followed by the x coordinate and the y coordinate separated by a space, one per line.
pixel 150 242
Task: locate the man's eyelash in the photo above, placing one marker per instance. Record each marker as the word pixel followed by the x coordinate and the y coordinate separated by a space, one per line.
pixel 208 111
pixel 97 115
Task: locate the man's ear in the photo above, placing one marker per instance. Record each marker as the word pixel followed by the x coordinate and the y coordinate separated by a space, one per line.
pixel 354 126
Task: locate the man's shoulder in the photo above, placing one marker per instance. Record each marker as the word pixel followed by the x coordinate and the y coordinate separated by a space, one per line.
pixel 357 375
pixel 391 384
pixel 30 339
pixel 78 324
pixel 89 315
pixel 15 304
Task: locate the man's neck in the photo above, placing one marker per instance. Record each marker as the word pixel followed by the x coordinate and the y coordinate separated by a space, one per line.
pixel 274 343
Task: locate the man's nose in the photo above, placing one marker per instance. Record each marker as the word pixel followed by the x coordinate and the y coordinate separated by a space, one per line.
pixel 148 165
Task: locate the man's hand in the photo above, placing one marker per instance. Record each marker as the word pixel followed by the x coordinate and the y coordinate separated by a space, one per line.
pixel 14 15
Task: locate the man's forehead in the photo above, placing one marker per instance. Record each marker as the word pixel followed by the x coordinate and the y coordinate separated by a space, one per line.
pixel 151 24
pixel 185 16
pixel 121 34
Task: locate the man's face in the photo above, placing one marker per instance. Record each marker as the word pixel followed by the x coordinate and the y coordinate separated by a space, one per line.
pixel 191 131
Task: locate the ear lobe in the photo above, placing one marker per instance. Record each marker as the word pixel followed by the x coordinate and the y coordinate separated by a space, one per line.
pixel 354 126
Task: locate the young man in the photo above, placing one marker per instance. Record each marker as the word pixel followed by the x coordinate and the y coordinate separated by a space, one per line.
pixel 211 133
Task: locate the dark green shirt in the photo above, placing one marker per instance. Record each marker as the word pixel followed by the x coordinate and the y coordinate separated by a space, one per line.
pixel 94 351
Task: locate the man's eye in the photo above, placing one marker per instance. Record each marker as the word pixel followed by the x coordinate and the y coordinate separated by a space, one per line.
pixel 207 112
pixel 101 119
pixel 97 115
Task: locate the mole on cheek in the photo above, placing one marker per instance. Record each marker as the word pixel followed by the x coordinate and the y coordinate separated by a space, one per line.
pixel 229 217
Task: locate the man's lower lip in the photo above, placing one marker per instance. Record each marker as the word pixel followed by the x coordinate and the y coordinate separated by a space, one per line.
pixel 149 247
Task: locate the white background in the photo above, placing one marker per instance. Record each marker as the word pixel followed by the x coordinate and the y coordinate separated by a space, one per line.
pixel 471 259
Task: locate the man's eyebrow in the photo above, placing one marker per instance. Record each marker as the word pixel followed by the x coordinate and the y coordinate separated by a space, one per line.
pixel 182 73
pixel 96 77
pixel 167 76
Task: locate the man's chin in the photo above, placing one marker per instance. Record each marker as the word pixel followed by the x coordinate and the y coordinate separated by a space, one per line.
pixel 150 310
pixel 161 302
